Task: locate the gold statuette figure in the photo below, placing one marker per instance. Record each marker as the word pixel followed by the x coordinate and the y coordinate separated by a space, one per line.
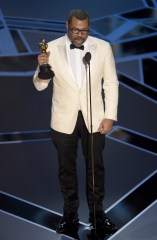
pixel 45 69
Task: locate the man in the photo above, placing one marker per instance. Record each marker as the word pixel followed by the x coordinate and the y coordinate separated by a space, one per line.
pixel 71 114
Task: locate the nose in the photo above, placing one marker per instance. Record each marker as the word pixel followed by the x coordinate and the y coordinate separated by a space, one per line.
pixel 79 33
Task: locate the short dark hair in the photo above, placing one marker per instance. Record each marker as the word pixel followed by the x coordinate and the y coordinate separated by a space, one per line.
pixel 79 14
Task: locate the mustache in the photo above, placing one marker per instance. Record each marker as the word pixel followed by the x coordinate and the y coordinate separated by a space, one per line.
pixel 78 38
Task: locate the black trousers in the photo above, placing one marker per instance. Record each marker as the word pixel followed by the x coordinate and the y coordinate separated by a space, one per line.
pixel 66 145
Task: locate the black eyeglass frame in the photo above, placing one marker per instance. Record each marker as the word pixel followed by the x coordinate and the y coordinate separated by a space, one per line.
pixel 77 31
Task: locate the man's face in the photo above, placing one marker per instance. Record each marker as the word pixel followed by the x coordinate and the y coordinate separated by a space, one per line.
pixel 78 37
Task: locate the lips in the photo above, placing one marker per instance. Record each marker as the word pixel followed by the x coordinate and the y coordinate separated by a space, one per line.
pixel 79 40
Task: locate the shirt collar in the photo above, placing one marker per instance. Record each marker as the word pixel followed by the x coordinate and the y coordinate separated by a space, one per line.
pixel 68 42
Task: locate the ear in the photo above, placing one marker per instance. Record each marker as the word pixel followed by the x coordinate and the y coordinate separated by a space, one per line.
pixel 67 25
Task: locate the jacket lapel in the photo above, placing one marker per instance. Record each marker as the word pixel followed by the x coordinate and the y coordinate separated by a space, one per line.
pixel 65 64
pixel 92 46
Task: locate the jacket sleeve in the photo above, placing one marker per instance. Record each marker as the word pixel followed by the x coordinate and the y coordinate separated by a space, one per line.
pixel 110 85
pixel 39 84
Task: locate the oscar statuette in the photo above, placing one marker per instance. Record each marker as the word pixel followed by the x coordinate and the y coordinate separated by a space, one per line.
pixel 45 69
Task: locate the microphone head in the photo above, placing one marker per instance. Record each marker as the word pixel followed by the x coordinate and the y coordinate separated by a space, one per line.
pixel 87 57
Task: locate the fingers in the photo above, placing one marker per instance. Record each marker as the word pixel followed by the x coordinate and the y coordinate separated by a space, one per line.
pixel 100 128
pixel 103 130
pixel 105 126
pixel 43 58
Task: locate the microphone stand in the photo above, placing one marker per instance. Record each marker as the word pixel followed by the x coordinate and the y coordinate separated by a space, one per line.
pixel 91 143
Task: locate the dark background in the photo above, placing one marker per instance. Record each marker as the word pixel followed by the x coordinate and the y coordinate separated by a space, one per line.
pixel 28 159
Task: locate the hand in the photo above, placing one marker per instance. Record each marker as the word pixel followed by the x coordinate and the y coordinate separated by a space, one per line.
pixel 43 58
pixel 105 126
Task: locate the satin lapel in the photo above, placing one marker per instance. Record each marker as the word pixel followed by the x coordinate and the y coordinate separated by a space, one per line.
pixel 65 65
pixel 92 47
pixel 92 50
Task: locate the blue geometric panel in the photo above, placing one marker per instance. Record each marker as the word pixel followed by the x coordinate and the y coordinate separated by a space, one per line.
pixel 30 190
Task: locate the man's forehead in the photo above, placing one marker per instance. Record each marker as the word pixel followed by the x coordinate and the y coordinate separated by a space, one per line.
pixel 78 22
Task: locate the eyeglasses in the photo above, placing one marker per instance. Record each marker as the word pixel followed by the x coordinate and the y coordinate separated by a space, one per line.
pixel 76 31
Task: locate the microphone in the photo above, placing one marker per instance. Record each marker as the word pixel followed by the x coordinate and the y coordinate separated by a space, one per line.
pixel 87 57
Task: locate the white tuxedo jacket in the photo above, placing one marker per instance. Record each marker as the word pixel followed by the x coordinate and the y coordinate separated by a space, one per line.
pixel 68 97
